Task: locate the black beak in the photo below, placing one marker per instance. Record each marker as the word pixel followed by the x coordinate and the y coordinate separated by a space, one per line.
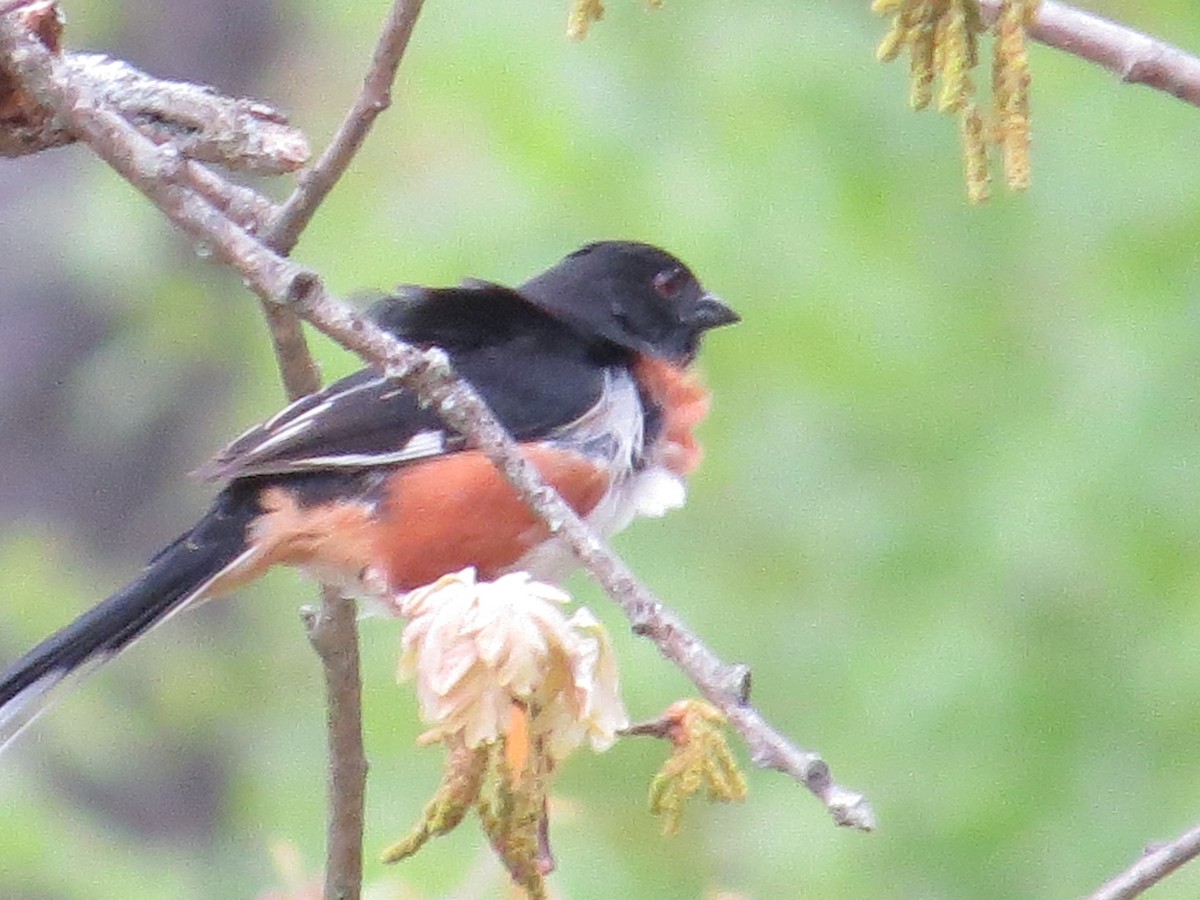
pixel 711 312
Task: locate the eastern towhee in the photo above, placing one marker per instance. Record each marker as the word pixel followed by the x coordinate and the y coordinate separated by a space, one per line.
pixel 362 486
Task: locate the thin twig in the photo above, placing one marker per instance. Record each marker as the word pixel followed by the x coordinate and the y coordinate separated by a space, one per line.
pixel 245 206
pixel 278 280
pixel 375 97
pixel 1136 57
pixel 333 632
pixel 284 229
pixel 1157 864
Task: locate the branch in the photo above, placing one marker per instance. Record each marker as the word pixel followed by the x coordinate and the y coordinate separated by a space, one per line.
pixel 243 135
pixel 1137 58
pixel 1153 867
pixel 244 206
pixel 279 281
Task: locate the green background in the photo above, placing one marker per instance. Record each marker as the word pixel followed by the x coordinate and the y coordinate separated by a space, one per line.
pixel 948 512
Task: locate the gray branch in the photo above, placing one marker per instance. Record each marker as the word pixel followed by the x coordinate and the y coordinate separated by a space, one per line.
pixel 1136 57
pixel 1153 867
pixel 239 134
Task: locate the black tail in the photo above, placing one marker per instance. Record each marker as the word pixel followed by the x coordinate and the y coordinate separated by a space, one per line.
pixel 179 573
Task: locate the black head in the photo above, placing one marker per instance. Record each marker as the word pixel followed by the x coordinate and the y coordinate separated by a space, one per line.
pixel 634 295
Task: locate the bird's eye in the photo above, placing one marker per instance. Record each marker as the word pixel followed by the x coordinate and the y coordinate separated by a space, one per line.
pixel 669 282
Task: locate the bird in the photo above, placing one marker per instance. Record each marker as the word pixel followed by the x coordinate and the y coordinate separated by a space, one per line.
pixel 588 365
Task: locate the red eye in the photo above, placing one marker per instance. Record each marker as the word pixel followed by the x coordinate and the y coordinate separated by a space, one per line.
pixel 669 282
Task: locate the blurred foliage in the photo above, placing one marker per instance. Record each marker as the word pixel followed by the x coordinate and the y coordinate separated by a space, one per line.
pixel 948 515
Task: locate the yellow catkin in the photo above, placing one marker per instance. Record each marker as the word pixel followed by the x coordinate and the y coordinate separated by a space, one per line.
pixel 975 160
pixel 942 40
pixel 897 37
pixel 1006 25
pixel 975 27
pixel 955 59
pixel 1011 82
pixel 891 45
pixel 700 760
pixel 512 807
pixel 465 769
pixel 583 14
pixel 921 71
pixel 939 44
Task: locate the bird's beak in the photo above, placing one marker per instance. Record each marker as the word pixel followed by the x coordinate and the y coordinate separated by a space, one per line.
pixel 711 312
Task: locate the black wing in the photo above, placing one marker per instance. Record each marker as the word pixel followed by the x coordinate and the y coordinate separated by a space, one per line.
pixel 534 372
pixel 476 314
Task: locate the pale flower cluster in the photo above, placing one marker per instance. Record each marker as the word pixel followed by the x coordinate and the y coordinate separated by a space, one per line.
pixel 475 648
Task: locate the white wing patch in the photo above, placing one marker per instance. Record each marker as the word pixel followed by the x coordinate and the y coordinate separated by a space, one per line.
pixel 421 445
pixel 424 443
pixel 285 434
pixel 251 454
pixel 309 416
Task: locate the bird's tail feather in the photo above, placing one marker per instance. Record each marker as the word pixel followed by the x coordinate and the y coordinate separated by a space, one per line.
pixel 180 573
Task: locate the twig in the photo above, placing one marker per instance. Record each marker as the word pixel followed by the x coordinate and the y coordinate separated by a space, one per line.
pixel 333 631
pixel 279 281
pixel 1152 868
pixel 374 98
pixel 284 229
pixel 245 206
pixel 1136 57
